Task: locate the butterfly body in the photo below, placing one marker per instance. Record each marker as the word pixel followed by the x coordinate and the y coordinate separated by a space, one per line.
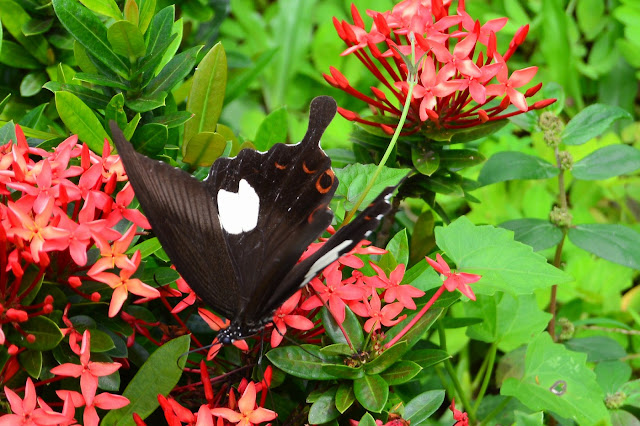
pixel 237 236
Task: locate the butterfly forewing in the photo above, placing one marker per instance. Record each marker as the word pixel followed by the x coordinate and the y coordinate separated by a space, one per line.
pixel 185 219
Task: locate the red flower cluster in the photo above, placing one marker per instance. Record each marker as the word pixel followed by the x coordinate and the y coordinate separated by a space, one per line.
pixel 461 75
pixel 54 207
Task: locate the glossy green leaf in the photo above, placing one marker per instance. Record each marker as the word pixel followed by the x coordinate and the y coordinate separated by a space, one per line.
pixel 150 138
pixel 33 118
pixel 47 334
pixel 176 40
pixel 102 80
pixel 147 9
pixel 505 265
pixel 89 30
pixel 14 17
pixel 351 325
pixel 82 59
pixel 420 408
pixel 174 119
pixel 344 371
pixel 324 409
pixel 4 102
pixel 204 148
pixel 31 361
pixel 32 83
pixel 415 333
pixel 386 358
pixel 616 243
pixel 91 98
pixel 126 40
pixel 104 7
pixel 273 129
pixel 367 420
pixel 460 158
pixel 510 165
pixel 174 72
pixel 158 375
pixel 100 341
pixel 558 380
pixel 401 372
pixel 354 179
pixel 80 120
pixel 147 247
pixel 426 358
pixel 591 122
pixel 131 12
pixel 607 162
pixel 304 361
pixel 207 94
pixel 398 248
pixel 37 26
pixel 540 234
pixel 345 397
pixel 115 111
pixel 426 161
pixel 157 40
pixel 15 56
pixel 468 134
pixel 372 392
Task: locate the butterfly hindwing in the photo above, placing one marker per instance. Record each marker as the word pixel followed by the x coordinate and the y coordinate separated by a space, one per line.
pixel 185 220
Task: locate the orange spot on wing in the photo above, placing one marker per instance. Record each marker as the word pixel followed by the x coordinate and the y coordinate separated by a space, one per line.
pixel 319 184
pixel 280 166
pixel 306 169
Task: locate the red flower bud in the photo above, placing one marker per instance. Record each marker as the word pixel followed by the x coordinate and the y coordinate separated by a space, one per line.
pixel 349 115
pixel 17 315
pixel 375 52
pixel 379 93
pixel 387 129
pixel 341 80
pixel 483 115
pixel 521 34
pixel 31 338
pixel 74 282
pixel 138 421
pixel 48 299
pixel 381 24
pixel 111 184
pixel 543 103
pixel 533 90
pixel 13 350
pixel 350 36
pixel 339 30
pixel 95 297
pixel 47 309
pixel 357 19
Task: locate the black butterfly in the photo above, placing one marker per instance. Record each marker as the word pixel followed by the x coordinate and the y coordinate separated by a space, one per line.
pixel 237 236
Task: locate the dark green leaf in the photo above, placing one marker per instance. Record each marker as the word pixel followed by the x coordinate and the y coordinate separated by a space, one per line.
pixel 540 234
pixel 174 72
pixel 401 372
pixel 157 39
pixel 101 80
pixel 510 165
pixel 8 133
pixel 304 361
pixel 31 361
pixel 468 134
pixel 324 409
pixel 425 358
pixel 32 118
pixel 32 83
pixel 37 26
pixel 372 392
pixel 417 330
pixel 115 111
pixel 207 94
pixel 386 359
pixel 607 162
pixel 4 101
pixel 351 325
pixel 91 98
pixel 591 122
pixel 345 396
pixel 14 18
pixel 150 138
pixel 146 103
pixel 158 375
pixel 420 408
pixel 15 56
pixel 597 348
pixel 47 334
pixel 204 148
pixel 101 341
pixel 80 120
pixel 423 240
pixel 89 30
pixel 460 158
pixel 344 371
pixel 616 243
pixel 273 129
pixel 426 161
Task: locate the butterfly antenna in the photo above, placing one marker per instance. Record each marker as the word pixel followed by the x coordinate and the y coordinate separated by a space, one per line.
pixel 196 350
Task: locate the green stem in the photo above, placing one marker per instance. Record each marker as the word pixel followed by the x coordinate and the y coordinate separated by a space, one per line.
pixel 496 410
pixel 487 376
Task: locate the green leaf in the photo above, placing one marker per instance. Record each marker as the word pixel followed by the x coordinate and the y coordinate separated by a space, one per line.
pixel 386 358
pixel 367 420
pixel 510 165
pixel 351 325
pixel 15 56
pixel 273 129
pixel 401 372
pixel 102 80
pixel 355 177
pixel 174 72
pixel 115 111
pixel 344 371
pixel 104 7
pixel 37 26
pixel 14 18
pixel 416 332
pixel 204 148
pixel 616 243
pixel 4 101
pixel 324 409
pixel 80 120
pixel 150 138
pixel 146 103
pixel 207 94
pixel 32 83
pixel 89 31
pixel 31 361
pixel 304 361
pixel 597 348
pixel 91 98
pixel 607 162
pixel 540 234
pixel 239 82
pixel 82 59
pixel 174 119
pixel 147 9
pixel 158 375
pixel 398 249
pixel 372 392
pixel 467 134
pixel 460 158
pixel 422 238
pixel 126 40
pixel 505 265
pixel 345 397
pixel 8 133
pixel 147 247
pixel 591 122
pixel 558 380
pixel 47 334
pixel 420 408
pixel 157 39
pixel 426 358
pixel 426 161
pixel 101 341
pixel 131 12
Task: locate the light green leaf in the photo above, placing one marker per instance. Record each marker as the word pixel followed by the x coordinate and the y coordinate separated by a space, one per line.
pixel 104 7
pixel 174 72
pixel 505 265
pixel 207 93
pixel 607 162
pixel 80 120
pixel 32 83
pixel 591 122
pixel 355 177
pixel 273 129
pixel 558 380
pixel 14 18
pixel 147 9
pixel 157 376
pixel 126 40
pixel 204 148
pixel 15 56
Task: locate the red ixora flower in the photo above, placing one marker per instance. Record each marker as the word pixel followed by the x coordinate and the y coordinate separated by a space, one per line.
pixel 454 280
pixel 456 59
pixel 25 411
pixel 248 414
pixel 284 317
pixel 461 418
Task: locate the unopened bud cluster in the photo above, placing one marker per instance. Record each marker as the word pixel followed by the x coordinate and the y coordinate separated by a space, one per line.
pixel 560 217
pixel 552 126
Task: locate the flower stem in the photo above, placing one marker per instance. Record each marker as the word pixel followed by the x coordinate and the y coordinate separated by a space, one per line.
pixel 415 319
pixel 487 375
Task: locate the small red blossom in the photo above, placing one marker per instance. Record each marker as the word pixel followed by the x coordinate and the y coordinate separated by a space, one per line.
pixel 378 316
pixel 283 317
pixel 461 418
pixel 25 411
pixel 453 280
pixel 248 413
pixel 393 289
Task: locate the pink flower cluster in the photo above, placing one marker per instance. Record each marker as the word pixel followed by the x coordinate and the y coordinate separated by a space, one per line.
pixel 463 81
pixel 53 208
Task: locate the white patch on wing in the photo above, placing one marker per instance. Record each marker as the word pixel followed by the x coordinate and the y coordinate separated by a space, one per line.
pixel 329 257
pixel 238 211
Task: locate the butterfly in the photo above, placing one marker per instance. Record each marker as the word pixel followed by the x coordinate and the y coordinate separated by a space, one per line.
pixel 237 236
